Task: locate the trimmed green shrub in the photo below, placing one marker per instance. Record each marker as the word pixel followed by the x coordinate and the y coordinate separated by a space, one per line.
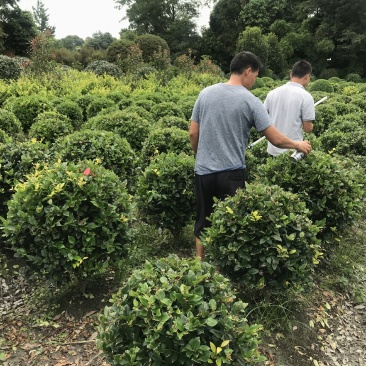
pixel 97 105
pixel 166 109
pixel 140 111
pixel 117 51
pixel 325 115
pixel 321 85
pixel 4 137
pixel 144 103
pixel 255 157
pixel 119 97
pixel 83 102
pixel 27 108
pixel 173 121
pixel 9 68
pixel 345 137
pixel 186 104
pixel 165 193
pixel 177 312
pixel 101 67
pixel 170 139
pixel 344 107
pixel 9 122
pixel 331 193
pixel 128 125
pixel 17 160
pixel 69 220
pixel 262 236
pixel 360 101
pixel 113 151
pixel 151 44
pixel 356 78
pixel 72 110
pixel 48 126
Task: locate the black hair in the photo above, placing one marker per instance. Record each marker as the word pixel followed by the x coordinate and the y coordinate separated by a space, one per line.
pixel 301 68
pixel 244 60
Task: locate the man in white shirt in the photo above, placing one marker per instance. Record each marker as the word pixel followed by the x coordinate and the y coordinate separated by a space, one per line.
pixel 291 107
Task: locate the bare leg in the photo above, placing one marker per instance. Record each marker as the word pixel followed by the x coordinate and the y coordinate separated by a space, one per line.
pixel 200 250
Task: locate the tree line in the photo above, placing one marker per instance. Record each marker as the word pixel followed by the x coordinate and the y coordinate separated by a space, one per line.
pixel 331 34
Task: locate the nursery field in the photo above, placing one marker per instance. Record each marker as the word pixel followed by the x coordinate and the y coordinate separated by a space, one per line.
pixel 97 250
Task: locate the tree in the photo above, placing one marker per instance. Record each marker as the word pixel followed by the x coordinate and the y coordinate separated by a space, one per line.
pixel 99 41
pixel 169 19
pixel 41 17
pixel 71 42
pixel 262 13
pixel 219 40
pixel 20 29
pixel 5 7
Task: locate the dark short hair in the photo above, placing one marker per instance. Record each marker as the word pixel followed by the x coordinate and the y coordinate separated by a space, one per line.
pixel 301 68
pixel 244 60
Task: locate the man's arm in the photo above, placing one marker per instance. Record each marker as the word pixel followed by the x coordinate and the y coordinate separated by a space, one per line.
pixel 280 140
pixel 194 132
pixel 307 126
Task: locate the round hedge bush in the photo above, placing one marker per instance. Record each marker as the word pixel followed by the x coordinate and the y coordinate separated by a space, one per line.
pixel 321 85
pixel 166 109
pixel 169 139
pixel 17 160
pixel 9 68
pixel 177 312
pixel 173 121
pixel 72 110
pixel 140 111
pixel 118 50
pixel 325 115
pixel 345 137
pixel 262 235
pixel 48 126
pixel 97 105
pixel 9 122
pixel 4 137
pixel 101 67
pixel 332 193
pixel 69 219
pixel 113 151
pixel 27 108
pixel 131 126
pixel 165 192
pixel 151 44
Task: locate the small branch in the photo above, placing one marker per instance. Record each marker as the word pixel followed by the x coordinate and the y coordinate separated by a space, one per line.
pixel 91 360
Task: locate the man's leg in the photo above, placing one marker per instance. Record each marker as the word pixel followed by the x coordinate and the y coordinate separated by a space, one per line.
pixel 200 250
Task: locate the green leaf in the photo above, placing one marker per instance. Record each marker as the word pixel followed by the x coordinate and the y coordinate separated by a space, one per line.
pixel 211 322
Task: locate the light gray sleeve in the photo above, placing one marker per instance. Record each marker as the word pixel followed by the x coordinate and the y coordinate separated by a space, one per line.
pixel 308 109
pixel 261 118
pixel 196 110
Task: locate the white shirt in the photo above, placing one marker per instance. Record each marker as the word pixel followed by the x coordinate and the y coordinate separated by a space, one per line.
pixel 289 106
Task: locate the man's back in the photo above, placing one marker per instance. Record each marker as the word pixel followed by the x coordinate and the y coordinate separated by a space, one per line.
pixel 288 106
pixel 225 114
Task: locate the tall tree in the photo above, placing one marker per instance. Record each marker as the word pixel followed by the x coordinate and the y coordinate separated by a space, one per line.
pixel 71 42
pixel 41 17
pixel 99 41
pixel 5 7
pixel 169 19
pixel 219 40
pixel 20 29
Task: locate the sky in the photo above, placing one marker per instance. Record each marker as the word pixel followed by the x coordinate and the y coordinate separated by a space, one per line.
pixel 85 17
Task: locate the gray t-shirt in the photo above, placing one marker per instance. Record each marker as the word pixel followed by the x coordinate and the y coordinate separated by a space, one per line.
pixel 288 106
pixel 225 114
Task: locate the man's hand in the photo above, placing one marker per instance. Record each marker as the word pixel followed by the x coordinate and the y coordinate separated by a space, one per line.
pixel 304 146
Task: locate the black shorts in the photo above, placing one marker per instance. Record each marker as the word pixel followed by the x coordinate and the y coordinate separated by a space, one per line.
pixel 219 185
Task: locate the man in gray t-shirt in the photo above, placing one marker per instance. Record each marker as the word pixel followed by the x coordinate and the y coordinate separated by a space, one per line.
pixel 291 107
pixel 221 119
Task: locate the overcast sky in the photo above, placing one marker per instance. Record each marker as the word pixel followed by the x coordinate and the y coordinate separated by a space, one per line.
pixel 85 17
